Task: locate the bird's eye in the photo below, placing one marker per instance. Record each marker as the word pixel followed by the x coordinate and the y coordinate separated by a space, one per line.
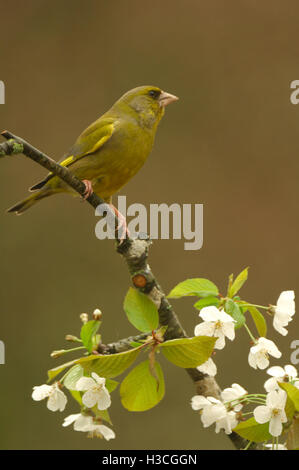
pixel 154 93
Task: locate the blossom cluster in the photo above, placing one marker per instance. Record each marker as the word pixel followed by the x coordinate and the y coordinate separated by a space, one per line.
pixel 226 410
pixel 95 393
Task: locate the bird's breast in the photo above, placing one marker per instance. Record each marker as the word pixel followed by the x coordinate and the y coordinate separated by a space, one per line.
pixel 119 160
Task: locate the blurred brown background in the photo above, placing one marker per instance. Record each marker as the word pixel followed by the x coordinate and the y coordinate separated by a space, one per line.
pixel 231 143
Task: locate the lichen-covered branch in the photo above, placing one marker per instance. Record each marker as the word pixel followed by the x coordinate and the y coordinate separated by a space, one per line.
pixel 135 254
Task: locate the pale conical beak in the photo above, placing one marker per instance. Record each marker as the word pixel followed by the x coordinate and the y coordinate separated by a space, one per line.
pixel 166 98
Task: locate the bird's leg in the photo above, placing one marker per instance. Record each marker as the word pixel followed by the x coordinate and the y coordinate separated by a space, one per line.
pixel 121 223
pixel 89 190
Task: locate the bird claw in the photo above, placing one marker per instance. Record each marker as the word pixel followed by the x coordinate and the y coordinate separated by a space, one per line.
pixel 88 189
pixel 122 224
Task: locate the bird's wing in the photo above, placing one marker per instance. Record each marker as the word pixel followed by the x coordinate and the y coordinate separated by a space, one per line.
pixel 90 141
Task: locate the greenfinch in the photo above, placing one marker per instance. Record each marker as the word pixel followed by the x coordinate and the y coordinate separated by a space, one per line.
pixel 111 150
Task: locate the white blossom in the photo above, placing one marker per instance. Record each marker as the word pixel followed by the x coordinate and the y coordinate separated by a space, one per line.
pixel 232 394
pixel 281 374
pixel 216 323
pixel 100 430
pixel 214 411
pixel 209 367
pixel 259 353
pixel 95 391
pixel 81 422
pixel 56 398
pixel 273 412
pixel 86 424
pixel 283 311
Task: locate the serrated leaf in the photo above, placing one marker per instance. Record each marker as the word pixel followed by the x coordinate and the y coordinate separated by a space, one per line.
pixel 259 320
pixel 197 286
pixel 232 309
pixel 89 330
pixel 141 311
pixel 72 377
pixel 206 302
pixel 253 431
pixel 188 352
pixel 238 282
pixel 292 391
pixel 104 365
pixel 139 391
pixel 109 365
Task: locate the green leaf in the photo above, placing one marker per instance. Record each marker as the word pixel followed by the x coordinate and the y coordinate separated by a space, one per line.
pixel 238 283
pixel 206 302
pixel 72 377
pixel 52 373
pixel 88 330
pixel 232 309
pixel 141 311
pixel 197 286
pixel 188 352
pixel 103 414
pixel 292 391
pixel 139 390
pixel 77 396
pixel 109 365
pixel 111 385
pixel 253 431
pixel 259 320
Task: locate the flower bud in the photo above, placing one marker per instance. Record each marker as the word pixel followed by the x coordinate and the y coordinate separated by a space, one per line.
pixel 57 354
pixel 84 318
pixel 72 338
pixel 97 314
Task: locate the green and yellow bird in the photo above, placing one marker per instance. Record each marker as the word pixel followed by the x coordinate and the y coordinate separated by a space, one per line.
pixel 111 150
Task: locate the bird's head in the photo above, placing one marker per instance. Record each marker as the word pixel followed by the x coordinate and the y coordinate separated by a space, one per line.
pixel 148 102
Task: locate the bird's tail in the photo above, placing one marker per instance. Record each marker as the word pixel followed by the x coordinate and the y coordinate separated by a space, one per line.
pixel 22 206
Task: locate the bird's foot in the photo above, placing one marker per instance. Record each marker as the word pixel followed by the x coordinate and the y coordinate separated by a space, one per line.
pixel 88 189
pixel 122 223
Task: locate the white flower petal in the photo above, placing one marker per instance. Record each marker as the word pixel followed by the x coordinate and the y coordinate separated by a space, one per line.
pixel 291 371
pixel 90 398
pixel 41 391
pixel 106 432
pixel 84 423
pixel 85 383
pixel 271 384
pixel 70 419
pixel 57 400
pixel 204 329
pixel 262 414
pixel 104 400
pixel 276 371
pixel 220 342
pixel 99 380
pixel 229 330
pixel 275 426
pixel 209 367
pixel 198 402
pixel 210 314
